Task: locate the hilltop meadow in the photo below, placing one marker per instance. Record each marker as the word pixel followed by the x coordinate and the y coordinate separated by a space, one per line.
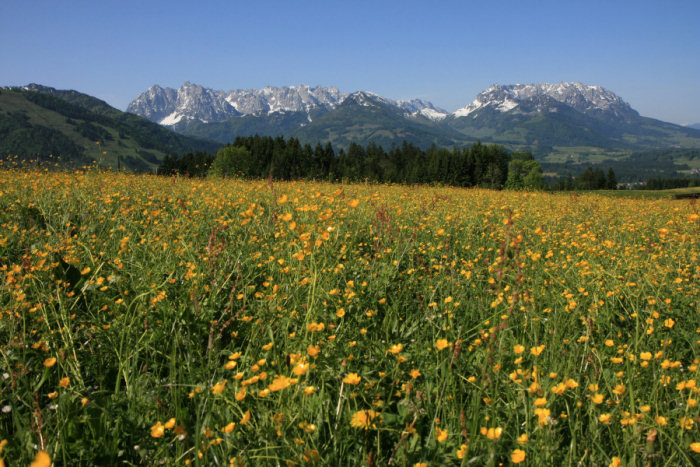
pixel 165 320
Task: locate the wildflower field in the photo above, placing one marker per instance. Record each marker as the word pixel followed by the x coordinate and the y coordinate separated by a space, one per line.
pixel 148 320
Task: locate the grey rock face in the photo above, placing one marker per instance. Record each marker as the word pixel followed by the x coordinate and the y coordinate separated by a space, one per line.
pixel 169 106
pixel 154 104
pixel 590 100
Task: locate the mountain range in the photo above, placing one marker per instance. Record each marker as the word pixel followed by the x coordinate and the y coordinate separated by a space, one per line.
pixel 193 102
pixel 553 120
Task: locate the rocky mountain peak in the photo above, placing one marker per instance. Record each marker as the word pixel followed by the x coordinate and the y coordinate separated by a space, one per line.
pixel 154 104
pixel 169 106
pixel 587 99
pixel 365 99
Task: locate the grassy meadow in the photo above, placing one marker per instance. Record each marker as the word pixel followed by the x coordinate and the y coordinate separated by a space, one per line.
pixel 148 321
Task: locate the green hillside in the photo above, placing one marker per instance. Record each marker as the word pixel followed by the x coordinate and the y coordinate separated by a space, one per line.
pixel 561 126
pixel 367 119
pixel 70 128
pixel 277 124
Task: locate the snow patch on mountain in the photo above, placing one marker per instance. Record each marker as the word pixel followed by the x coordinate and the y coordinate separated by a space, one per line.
pixel 432 114
pixel 419 107
pixel 464 111
pixel 507 105
pixel 171 119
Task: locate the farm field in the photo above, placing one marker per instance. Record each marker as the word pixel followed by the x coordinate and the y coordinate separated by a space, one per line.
pixel 151 320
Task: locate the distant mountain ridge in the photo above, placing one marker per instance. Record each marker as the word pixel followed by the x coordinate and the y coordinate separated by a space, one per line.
pixel 191 102
pixel 589 100
pixel 169 106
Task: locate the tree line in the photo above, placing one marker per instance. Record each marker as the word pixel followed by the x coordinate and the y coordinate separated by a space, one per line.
pixel 669 183
pixel 589 179
pixel 484 165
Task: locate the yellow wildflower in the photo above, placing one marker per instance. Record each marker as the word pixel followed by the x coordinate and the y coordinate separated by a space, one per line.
pixel 218 388
pixel 42 459
pixel 157 430
pixel 462 451
pixel 492 433
pixel 440 435
pixel 229 428
pixel 517 456
pixel 363 419
pixel 352 378
pixel 441 344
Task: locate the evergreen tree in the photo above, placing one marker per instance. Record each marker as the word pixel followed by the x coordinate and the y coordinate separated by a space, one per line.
pixel 515 175
pixel 569 182
pixel 611 180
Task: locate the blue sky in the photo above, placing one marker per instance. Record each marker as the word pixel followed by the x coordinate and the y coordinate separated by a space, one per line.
pixel 648 52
